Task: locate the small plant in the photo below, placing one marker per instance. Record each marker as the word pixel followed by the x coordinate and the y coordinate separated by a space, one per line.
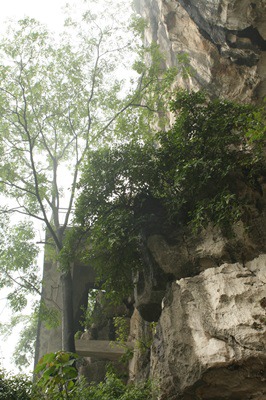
pixel 59 381
pixel 144 343
pixel 114 389
pixel 58 375
pixel 121 329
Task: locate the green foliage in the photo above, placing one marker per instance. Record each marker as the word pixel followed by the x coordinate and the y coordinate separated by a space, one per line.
pixel 58 375
pixel 114 389
pixel 18 254
pixel 184 65
pixel 190 174
pixel 25 348
pixel 20 278
pixel 257 129
pixel 90 312
pixel 60 98
pixel 14 387
pixel 144 343
pixel 206 154
pixel 121 329
pixel 50 315
pixel 138 25
pixel 121 325
pixel 58 380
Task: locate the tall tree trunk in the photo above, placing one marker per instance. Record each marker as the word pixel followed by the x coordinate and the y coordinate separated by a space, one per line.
pixel 68 342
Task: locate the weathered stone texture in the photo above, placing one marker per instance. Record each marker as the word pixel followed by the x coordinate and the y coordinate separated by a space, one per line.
pixel 211 327
pixel 224 39
pixel 141 336
pixel 210 341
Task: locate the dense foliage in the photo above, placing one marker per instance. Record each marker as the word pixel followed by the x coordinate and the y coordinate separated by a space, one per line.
pixel 114 389
pixel 14 387
pixel 190 174
pixel 58 376
pixel 57 379
pixel 61 96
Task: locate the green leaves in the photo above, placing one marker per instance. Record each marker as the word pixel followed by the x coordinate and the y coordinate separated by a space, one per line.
pixel 58 375
pixel 190 174
pixel 18 262
pixel 14 387
pixel 114 389
pixel 57 380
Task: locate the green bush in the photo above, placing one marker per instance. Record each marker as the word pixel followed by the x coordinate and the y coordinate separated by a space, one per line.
pixel 58 376
pixel 188 175
pixel 14 387
pixel 58 380
pixel 114 389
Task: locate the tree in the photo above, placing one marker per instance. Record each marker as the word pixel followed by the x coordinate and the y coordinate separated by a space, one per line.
pixel 60 97
pixel 198 172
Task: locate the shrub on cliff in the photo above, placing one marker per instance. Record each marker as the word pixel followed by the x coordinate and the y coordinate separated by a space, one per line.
pixel 190 174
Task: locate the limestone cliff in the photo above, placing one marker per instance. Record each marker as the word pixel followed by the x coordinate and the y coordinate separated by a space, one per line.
pixel 207 293
pixel 224 39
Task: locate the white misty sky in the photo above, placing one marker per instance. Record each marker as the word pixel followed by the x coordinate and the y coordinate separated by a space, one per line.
pixel 49 12
pixel 46 11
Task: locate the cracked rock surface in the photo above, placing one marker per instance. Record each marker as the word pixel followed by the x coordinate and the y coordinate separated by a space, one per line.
pixel 210 341
pixel 211 336
pixel 225 41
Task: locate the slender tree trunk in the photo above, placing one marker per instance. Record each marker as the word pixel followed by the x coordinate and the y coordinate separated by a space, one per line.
pixel 68 342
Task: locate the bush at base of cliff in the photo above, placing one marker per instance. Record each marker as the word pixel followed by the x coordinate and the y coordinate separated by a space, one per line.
pixel 114 389
pixel 58 379
pixel 14 387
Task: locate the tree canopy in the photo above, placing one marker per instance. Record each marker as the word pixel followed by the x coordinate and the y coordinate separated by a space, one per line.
pixel 60 97
pixel 190 175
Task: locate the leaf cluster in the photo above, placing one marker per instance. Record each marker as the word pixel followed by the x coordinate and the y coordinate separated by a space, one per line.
pixel 14 387
pixel 114 389
pixel 58 375
pixel 19 272
pixel 189 174
pixel 58 380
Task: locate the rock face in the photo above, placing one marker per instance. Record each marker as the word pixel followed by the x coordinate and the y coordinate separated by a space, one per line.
pixel 225 41
pixel 210 340
pixel 211 337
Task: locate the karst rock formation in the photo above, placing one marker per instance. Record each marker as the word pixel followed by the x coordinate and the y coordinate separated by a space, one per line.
pixel 210 338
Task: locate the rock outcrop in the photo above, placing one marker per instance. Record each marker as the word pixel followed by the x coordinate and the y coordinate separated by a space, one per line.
pixel 207 292
pixel 211 336
pixel 225 41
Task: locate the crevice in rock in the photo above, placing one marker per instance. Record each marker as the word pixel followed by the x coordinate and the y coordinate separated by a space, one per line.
pixel 255 37
pixel 230 339
pixel 243 45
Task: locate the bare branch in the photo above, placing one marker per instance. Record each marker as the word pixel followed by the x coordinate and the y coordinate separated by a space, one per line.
pixel 26 284
pixel 19 211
